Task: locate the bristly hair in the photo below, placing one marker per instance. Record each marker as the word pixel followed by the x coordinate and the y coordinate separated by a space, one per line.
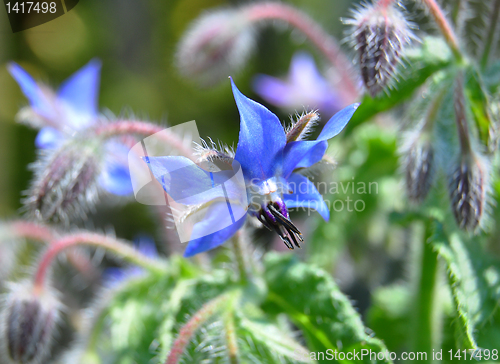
pixel 65 182
pixel 302 127
pixel 214 153
pixel 379 35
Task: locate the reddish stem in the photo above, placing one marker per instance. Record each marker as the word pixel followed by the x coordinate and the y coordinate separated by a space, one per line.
pixel 444 26
pixel 124 127
pixel 188 330
pixel 29 230
pixel 90 239
pixel 321 39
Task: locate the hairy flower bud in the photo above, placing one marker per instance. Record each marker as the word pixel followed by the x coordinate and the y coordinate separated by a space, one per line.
pixel 28 321
pixel 379 34
pixel 418 165
pixel 468 188
pixel 300 129
pixel 65 180
pixel 215 46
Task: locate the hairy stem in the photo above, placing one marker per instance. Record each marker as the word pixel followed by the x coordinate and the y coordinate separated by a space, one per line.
pixel 425 333
pixel 317 35
pixel 445 27
pixel 30 230
pixel 127 127
pixel 91 239
pixel 492 25
pixel 188 330
pixel 238 247
pixel 461 115
pixel 231 339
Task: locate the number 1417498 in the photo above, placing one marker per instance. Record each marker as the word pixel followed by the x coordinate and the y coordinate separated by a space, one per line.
pixel 26 7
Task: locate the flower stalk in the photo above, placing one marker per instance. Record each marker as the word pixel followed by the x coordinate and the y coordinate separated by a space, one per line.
pixel 444 26
pixel 90 239
pixel 490 37
pixel 317 35
pixel 231 339
pixel 426 310
pixel 127 127
pixel 199 318
pixel 238 247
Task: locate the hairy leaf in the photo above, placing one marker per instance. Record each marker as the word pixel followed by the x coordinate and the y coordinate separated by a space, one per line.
pixel 312 300
pixel 474 278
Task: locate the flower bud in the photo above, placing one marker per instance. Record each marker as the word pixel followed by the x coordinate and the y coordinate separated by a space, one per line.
pixel 418 164
pixel 215 46
pixel 65 182
pixel 300 129
pixel 468 188
pixel 28 321
pixel 379 35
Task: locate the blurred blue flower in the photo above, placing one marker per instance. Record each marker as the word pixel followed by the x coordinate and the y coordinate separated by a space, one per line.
pixel 304 87
pixel 271 187
pixel 72 109
pixel 114 276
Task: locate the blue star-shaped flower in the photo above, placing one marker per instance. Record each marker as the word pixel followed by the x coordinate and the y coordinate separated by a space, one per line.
pixel 73 108
pixel 304 86
pixel 268 163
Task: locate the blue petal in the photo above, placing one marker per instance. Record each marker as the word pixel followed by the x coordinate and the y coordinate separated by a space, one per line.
pixel 213 240
pixel 273 90
pixel 304 153
pixel 261 139
pixel 80 91
pixel 115 179
pixel 337 122
pixel 189 184
pixel 48 138
pixel 306 195
pixel 39 100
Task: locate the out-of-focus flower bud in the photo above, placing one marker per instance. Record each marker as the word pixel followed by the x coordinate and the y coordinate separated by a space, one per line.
pixel 418 164
pixel 469 188
pixel 27 324
pixel 215 46
pixel 379 34
pixel 65 182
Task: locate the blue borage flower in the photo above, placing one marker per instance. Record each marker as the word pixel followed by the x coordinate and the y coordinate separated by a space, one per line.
pixel 304 85
pixel 72 109
pixel 268 163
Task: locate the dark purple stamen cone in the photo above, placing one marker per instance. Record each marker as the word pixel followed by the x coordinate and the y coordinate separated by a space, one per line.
pixel 379 36
pixel 28 323
pixel 419 170
pixel 468 187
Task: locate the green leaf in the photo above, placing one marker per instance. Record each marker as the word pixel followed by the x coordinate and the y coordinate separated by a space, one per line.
pixel 389 315
pixel 420 63
pixel 479 103
pixel 313 302
pixel 474 278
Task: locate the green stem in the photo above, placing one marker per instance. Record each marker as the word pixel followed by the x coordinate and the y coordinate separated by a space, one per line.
pixel 231 339
pixel 238 247
pixel 425 332
pixel 488 44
